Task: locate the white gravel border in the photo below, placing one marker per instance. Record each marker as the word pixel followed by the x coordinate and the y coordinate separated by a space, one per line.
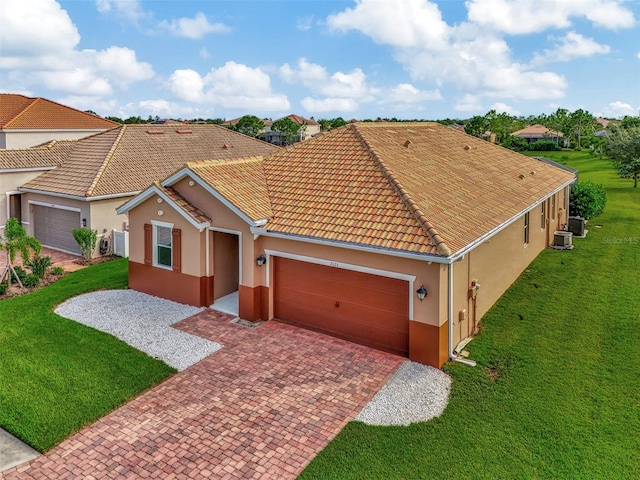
pixel 143 321
pixel 416 393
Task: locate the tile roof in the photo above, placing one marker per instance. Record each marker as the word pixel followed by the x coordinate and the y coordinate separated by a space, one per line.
pixel 241 181
pixel 50 154
pixel 416 187
pixel 537 131
pixel 181 203
pixel 301 120
pixel 20 112
pixel 130 157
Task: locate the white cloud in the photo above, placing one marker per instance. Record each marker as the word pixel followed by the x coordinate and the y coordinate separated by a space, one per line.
pixel 323 105
pixel 407 94
pixel 619 109
pixel 39 44
pixel 305 23
pixel 193 28
pixel 231 86
pixel 469 103
pixel 516 17
pixel 130 9
pixel 573 45
pixel 500 107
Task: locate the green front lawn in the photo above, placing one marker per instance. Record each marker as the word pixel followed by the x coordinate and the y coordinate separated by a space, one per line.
pixel 56 375
pixel 556 393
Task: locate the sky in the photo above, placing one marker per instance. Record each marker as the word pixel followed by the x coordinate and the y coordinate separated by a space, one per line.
pixel 424 59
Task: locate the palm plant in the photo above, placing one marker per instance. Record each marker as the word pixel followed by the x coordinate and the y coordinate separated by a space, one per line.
pixel 15 240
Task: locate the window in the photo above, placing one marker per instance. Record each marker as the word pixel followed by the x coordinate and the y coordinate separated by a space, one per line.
pixel 526 227
pixel 162 246
pixel 543 215
pixel 553 206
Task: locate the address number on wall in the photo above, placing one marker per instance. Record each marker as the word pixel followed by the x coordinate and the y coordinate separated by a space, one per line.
pixel 334 264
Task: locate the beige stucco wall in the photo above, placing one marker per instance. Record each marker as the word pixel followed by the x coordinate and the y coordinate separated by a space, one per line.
pixel 9 182
pixel 31 138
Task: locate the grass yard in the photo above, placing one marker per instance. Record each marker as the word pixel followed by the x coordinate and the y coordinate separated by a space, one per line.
pixel 556 393
pixel 56 375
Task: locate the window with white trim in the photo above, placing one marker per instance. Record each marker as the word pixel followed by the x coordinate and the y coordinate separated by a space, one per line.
pixel 162 244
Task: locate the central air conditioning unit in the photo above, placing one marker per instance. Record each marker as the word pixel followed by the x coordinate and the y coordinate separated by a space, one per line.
pixel 562 240
pixel 576 226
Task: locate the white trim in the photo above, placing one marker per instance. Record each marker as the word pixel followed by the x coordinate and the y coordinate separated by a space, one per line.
pixel 187 172
pixel 76 197
pixel 8 195
pixel 154 243
pixel 345 266
pixel 239 234
pixel 55 205
pixel 26 169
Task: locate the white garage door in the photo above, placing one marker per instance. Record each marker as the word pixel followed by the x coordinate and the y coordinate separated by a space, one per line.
pixel 52 226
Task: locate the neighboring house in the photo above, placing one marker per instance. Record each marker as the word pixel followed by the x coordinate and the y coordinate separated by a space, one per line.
pixel 25 122
pixel 101 172
pixel 18 166
pixel 534 133
pixel 344 233
pixel 309 128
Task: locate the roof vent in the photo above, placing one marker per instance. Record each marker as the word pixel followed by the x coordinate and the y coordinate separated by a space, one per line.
pixel 467 147
pixel 155 132
pixel 226 146
pixel 407 143
pixel 533 172
pixel 521 176
pixel 184 131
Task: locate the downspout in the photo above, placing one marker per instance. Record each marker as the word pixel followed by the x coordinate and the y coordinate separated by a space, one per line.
pixel 452 356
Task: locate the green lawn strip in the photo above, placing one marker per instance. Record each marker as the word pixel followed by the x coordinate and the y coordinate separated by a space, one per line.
pixel 556 390
pixel 56 375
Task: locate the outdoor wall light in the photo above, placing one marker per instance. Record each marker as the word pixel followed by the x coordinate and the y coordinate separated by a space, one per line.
pixel 261 260
pixel 422 293
pixel 84 222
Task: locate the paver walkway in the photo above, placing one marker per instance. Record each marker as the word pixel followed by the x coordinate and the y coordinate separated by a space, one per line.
pixel 261 407
pixel 65 260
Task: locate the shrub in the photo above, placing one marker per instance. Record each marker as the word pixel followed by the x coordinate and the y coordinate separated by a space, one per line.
pixel 3 288
pixel 39 265
pixel 20 272
pixel 515 143
pixel 57 270
pixel 86 239
pixel 587 199
pixel 31 280
pixel 543 146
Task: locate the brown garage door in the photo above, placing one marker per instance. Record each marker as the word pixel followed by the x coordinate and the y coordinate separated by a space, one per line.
pixel 52 226
pixel 363 308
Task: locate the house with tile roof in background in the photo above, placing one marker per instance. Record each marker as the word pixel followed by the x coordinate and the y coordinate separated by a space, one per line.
pixel 26 122
pixel 534 133
pixel 85 180
pixel 308 129
pixel 378 233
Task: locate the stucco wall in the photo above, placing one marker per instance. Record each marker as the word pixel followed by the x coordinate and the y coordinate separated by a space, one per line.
pixel 28 139
pixel 49 201
pixel 9 182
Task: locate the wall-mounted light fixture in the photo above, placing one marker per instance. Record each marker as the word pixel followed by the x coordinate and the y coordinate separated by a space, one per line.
pixel 261 260
pixel 84 222
pixel 422 293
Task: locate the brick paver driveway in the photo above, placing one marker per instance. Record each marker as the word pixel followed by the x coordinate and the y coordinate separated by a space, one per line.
pixel 261 407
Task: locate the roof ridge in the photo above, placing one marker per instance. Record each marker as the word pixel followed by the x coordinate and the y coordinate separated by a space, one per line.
pixel 106 160
pixel 23 111
pixel 224 161
pixel 420 217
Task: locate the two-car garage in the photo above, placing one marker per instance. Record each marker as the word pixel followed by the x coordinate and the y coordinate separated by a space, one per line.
pixel 358 306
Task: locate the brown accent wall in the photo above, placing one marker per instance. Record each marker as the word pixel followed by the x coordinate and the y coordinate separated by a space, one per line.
pixel 168 284
pixel 428 344
pixel 250 303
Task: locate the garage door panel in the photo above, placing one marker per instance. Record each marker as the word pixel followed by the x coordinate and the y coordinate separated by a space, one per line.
pixel 53 226
pixel 360 307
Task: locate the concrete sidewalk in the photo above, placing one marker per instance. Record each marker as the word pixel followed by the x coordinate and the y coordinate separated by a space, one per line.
pixel 14 452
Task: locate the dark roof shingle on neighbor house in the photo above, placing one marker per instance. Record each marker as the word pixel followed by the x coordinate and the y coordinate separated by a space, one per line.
pixel 415 187
pixel 20 112
pixel 126 159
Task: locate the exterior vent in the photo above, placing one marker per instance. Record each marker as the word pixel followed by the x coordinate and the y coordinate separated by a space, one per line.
pixel 184 131
pixel 155 132
pixel 226 146
pixel 521 176
pixel 407 143
pixel 467 147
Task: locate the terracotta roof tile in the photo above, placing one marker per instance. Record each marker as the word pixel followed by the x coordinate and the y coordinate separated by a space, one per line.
pixel 20 112
pixel 241 181
pixel 183 204
pixel 51 154
pixel 130 157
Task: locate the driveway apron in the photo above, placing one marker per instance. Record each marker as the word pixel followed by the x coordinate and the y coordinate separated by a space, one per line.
pixel 261 407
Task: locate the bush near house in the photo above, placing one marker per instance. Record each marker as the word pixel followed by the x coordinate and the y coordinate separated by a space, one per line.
pixel 587 199
pixel 543 146
pixel 86 239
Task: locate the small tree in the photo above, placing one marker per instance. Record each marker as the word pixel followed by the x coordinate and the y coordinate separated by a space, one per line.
pixel 587 199
pixel 86 239
pixel 14 241
pixel 249 125
pixel 287 128
pixel 623 147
